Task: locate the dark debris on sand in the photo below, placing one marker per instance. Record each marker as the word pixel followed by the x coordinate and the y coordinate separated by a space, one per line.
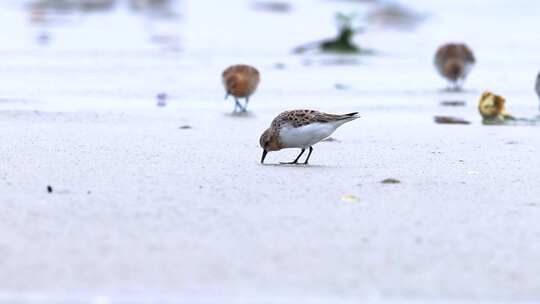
pixel 390 181
pixel 451 120
pixel 453 103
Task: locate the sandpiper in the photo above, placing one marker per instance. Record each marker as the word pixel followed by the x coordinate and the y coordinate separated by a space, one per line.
pixel 240 81
pixel 454 61
pixel 301 129
pixel 537 85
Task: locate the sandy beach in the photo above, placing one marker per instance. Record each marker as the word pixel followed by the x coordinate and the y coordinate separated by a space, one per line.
pixel 170 204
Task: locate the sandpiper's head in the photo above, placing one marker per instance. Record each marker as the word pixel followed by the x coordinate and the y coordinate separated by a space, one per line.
pixel 453 69
pixel 269 142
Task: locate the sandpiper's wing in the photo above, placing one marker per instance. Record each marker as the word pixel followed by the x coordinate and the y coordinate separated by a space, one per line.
pixel 467 54
pixel 299 118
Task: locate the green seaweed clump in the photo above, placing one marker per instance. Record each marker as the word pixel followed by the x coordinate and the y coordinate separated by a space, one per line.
pixel 342 43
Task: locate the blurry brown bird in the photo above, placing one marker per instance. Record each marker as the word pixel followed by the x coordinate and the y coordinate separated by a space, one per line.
pixel 240 81
pixel 537 85
pixel 454 61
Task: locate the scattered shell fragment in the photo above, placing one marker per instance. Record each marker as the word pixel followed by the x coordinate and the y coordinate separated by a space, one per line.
pixel 451 120
pixel 350 198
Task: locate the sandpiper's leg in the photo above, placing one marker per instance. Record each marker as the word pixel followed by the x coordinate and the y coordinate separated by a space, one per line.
pixel 457 86
pixel 309 154
pixel 238 105
pixel 296 160
pixel 245 104
pixel 461 83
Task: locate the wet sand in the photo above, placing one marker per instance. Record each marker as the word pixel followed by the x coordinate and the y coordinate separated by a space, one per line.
pixel 143 209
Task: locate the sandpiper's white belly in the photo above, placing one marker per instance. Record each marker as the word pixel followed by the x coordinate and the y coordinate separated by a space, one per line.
pixel 305 136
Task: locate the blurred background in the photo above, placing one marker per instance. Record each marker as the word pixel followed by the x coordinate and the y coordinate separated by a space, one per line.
pixel 121 219
pixel 127 51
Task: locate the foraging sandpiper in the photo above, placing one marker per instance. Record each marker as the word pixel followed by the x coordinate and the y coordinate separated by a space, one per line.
pixel 454 61
pixel 240 81
pixel 301 129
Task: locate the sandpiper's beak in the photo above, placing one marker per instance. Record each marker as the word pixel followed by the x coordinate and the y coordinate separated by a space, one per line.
pixel 263 156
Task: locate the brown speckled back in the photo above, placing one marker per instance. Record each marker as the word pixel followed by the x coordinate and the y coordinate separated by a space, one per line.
pixel 299 118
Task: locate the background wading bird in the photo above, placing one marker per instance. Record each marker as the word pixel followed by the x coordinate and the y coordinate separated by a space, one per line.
pixel 240 81
pixel 454 62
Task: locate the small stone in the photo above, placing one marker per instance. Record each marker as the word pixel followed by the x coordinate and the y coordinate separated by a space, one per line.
pixel 279 65
pixel 340 86
pixel 162 99
pixel 49 189
pixel 185 127
pixel 162 96
pixel 391 181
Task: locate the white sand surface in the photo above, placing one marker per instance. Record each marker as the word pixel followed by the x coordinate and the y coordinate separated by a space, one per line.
pixel 143 211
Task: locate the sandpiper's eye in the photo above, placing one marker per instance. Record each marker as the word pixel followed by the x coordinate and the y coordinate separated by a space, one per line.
pixel 266 143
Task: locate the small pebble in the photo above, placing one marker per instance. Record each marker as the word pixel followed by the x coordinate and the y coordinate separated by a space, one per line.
pixel 340 86
pixel 162 99
pixel 49 189
pixel 391 181
pixel 279 65
pixel 43 38
pixel 185 127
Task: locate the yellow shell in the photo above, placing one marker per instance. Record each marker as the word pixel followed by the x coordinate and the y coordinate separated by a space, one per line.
pixel 350 198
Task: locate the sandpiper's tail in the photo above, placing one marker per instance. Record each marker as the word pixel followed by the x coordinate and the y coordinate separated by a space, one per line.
pixel 349 116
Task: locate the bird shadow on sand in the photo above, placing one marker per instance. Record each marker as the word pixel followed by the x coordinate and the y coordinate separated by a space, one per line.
pixel 300 166
pixel 247 114
pixel 455 91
